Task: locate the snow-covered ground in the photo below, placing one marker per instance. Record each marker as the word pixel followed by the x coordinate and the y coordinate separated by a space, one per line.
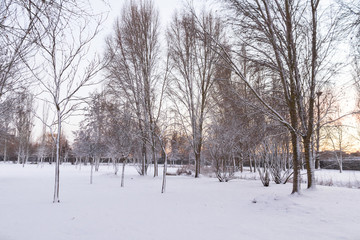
pixel 190 209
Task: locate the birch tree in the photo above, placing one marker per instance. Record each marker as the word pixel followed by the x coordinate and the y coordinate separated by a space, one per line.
pixel 65 66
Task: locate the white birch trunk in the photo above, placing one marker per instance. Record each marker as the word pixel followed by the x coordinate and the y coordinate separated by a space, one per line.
pixel 123 173
pixel 57 163
pixel 163 188
pixel 116 168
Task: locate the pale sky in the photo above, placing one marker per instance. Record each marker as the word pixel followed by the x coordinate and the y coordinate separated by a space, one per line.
pixel 166 10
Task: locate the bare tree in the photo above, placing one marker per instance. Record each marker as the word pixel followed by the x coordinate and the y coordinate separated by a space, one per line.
pixel 65 67
pixel 352 13
pixel 7 126
pixel 95 123
pixel 193 64
pixel 164 137
pixel 42 148
pixel 337 137
pixel 120 137
pixel 221 145
pixel 282 37
pixel 179 147
pixel 24 123
pixel 18 20
pixel 133 52
pixel 81 145
pixel 91 138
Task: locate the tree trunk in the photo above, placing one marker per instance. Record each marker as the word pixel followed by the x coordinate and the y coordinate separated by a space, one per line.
pixel 198 156
pixel 317 155
pixel 310 126
pixel 143 161
pixel 52 154
pixel 57 163
pixel 163 188
pixel 241 166
pixel 309 162
pixel 97 163
pixel 27 148
pixel 296 160
pixel 91 171
pixel 123 173
pixel 5 150
pixel 116 169
pixel 197 165
pixel 156 169
pixel 341 161
pixel 19 154
pixel 250 163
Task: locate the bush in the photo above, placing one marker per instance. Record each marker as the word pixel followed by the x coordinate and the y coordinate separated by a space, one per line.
pixel 183 170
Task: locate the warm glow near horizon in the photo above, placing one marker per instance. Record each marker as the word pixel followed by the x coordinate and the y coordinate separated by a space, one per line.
pixel 346 138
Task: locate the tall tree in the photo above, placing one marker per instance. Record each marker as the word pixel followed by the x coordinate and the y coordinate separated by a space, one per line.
pixel 282 37
pixel 65 67
pixel 193 62
pixel 133 54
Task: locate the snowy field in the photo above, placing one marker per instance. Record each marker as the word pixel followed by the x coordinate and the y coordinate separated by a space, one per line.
pixel 324 177
pixel 190 209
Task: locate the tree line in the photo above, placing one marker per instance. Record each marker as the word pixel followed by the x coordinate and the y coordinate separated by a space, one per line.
pixel 253 84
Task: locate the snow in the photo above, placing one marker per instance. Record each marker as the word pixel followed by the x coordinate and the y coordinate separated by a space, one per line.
pixel 191 208
pixel 325 177
pixel 349 179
